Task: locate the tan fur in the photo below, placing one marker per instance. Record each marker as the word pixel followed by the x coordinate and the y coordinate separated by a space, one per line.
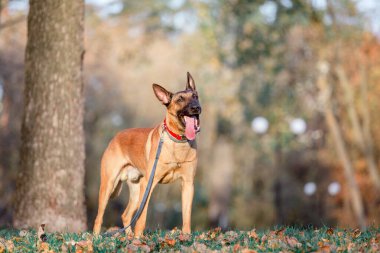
pixel 130 157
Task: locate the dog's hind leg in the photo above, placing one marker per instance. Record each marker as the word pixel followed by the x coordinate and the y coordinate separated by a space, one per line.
pixel 134 193
pixel 109 182
pixel 104 194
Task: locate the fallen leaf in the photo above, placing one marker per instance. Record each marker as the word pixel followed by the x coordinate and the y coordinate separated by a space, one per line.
pixel 276 243
pixel 324 249
pixel 184 237
pixel 23 233
pixel 375 247
pixel 201 236
pixel 200 247
pixel 170 241
pixel 64 248
pixel 356 233
pixel 43 247
pixel 175 229
pixel 6 245
pixel 248 251
pixel 280 231
pixel 214 232
pixel 293 242
pixel 10 246
pixel 85 246
pixel 340 249
pixel 351 246
pixel 264 238
pixel 137 242
pixel 236 247
pixel 330 231
pixel 186 249
pixel 253 234
pixel 325 240
pixel 231 236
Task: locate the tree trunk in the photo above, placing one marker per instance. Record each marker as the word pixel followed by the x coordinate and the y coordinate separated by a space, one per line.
pixel 365 144
pixel 51 179
pixel 355 196
pixel 220 186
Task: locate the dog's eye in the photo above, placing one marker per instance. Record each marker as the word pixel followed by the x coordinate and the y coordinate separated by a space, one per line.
pixel 195 96
pixel 180 99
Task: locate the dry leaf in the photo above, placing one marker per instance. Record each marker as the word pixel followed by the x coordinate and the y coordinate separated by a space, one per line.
pixel 231 236
pixel 85 246
pixel 10 246
pixel 64 248
pixel 43 247
pixel 351 246
pixel 324 249
pixel 248 251
pixel 214 232
pixel 6 245
pixel 170 242
pixel 137 242
pixel 200 247
pixel 340 249
pixel 293 242
pixel 330 231
pixel 356 233
pixel 236 247
pixel 264 238
pixel 201 236
pixel 280 231
pixel 184 237
pixel 253 234
pixel 23 233
pixel 375 247
pixel 325 240
pixel 174 230
pixel 186 249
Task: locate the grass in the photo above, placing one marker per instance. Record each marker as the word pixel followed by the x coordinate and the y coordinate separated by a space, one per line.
pixel 286 239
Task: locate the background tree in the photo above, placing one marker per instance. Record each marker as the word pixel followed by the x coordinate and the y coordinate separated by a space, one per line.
pixel 51 179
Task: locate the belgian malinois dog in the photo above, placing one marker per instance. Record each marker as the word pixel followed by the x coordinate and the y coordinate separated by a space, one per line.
pixel 131 153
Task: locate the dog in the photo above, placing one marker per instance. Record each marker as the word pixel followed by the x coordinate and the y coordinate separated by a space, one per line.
pixel 131 153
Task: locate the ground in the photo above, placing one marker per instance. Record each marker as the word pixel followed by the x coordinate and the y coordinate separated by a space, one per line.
pixel 285 239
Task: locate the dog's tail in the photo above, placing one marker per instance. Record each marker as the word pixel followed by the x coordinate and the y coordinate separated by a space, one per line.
pixel 117 190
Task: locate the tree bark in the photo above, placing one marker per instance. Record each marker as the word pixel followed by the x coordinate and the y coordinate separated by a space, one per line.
pixel 50 185
pixel 332 123
pixel 363 138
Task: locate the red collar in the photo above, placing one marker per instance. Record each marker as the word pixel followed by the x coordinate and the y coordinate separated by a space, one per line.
pixel 172 134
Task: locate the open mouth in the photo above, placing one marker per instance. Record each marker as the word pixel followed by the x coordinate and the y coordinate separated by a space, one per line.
pixel 192 126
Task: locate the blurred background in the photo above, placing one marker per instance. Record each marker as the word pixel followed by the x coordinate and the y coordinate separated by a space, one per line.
pixel 289 91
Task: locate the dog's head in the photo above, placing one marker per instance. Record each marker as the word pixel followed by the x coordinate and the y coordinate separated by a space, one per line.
pixel 183 107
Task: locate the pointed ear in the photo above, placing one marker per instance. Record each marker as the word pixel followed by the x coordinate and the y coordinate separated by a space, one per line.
pixel 162 94
pixel 190 82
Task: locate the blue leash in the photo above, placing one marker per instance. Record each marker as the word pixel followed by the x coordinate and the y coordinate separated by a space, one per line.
pixel 146 193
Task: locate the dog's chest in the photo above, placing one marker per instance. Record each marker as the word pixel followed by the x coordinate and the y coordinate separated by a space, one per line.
pixel 174 153
pixel 175 157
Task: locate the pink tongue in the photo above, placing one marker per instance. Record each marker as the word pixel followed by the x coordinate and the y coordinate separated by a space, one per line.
pixel 190 129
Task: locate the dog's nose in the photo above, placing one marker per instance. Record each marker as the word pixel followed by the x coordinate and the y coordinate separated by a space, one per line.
pixel 196 109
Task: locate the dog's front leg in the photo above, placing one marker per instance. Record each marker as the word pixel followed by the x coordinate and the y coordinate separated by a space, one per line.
pixel 187 201
pixel 141 221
